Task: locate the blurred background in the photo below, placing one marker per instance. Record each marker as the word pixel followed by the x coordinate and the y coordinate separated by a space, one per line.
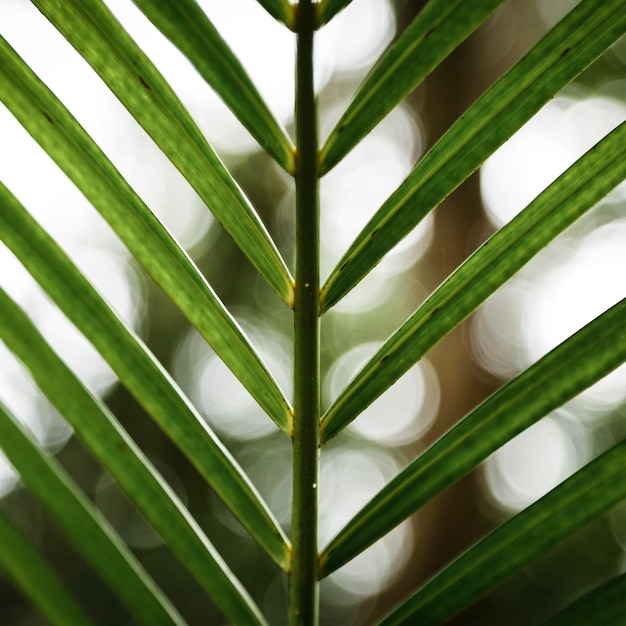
pixel 572 281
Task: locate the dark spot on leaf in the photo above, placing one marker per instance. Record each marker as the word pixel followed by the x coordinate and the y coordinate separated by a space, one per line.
pixel 340 129
pixel 47 116
pixel 387 356
pixel 374 232
pixel 435 311
pixel 144 83
pixel 564 53
pixel 343 267
pixel 429 32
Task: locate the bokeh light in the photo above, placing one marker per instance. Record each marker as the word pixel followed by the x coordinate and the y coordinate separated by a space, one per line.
pixel 352 42
pixel 575 279
pixel 349 478
pixel 530 465
pixel 399 416
pixel 219 395
pixel 353 191
pixel 589 279
pixel 543 149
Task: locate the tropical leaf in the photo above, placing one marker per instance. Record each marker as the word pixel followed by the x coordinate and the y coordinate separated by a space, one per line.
pixel 189 29
pixel 280 10
pixel 35 578
pixel 91 28
pixel 515 544
pixel 573 193
pixel 560 56
pixel 51 125
pixel 93 536
pixel 570 368
pixel 327 9
pixel 139 371
pixel 126 463
pixel 572 45
pixel 437 30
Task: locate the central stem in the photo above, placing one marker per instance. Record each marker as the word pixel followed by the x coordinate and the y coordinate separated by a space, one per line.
pixel 303 592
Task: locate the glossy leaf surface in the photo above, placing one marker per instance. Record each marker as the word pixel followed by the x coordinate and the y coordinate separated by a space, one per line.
pixel 51 125
pixel 573 193
pixel 437 30
pixel 559 57
pixel 566 371
pixel 91 28
pixel 111 445
pixel 515 544
pixel 185 24
pixel 139 371
pixel 96 540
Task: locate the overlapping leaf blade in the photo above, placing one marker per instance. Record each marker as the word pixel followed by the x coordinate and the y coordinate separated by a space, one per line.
pixel 185 24
pixel 562 54
pixel 437 30
pixel 569 369
pixel 574 192
pixel 51 125
pixel 280 10
pixel 91 28
pixel 605 604
pixel 111 445
pixel 35 578
pixel 139 371
pixel 93 536
pixel 600 485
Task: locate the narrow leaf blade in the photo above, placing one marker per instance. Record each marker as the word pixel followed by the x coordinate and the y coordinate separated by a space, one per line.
pixel 437 30
pixel 139 371
pixel 329 8
pixel 560 56
pixel 185 24
pixel 52 126
pixel 566 371
pixel 94 538
pixel 111 445
pixel 91 28
pixel 515 544
pixel 33 576
pixel 280 10
pixel 574 192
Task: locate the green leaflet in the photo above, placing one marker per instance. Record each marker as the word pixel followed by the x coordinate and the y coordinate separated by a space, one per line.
pixel 91 28
pixel 118 453
pixel 558 58
pixel 605 604
pixel 437 30
pixel 327 9
pixel 185 24
pixel 574 192
pixel 52 126
pixel 280 10
pixel 563 373
pixel 86 528
pixel 139 371
pixel 35 578
pixel 590 492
